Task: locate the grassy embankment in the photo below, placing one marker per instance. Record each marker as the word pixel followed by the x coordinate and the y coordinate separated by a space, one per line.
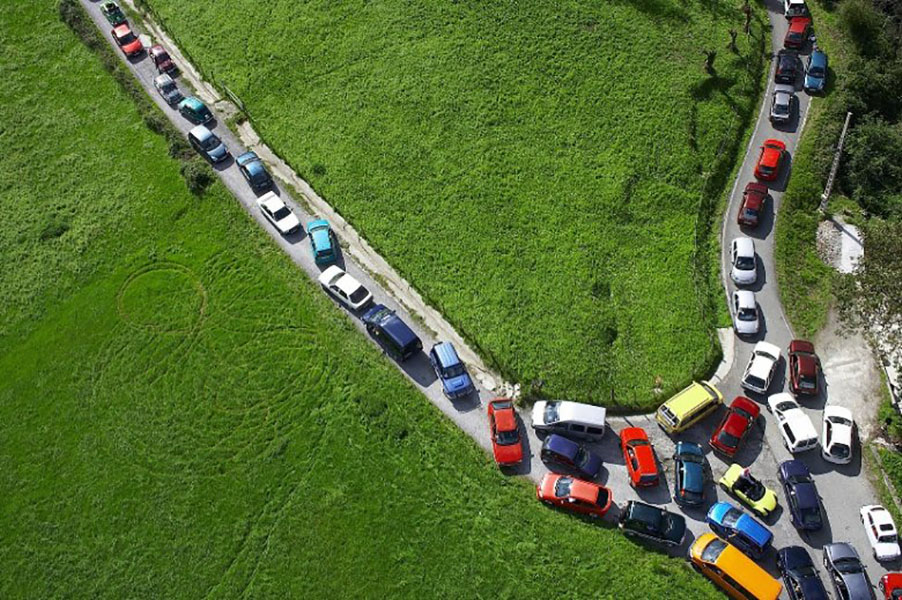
pixel 539 172
pixel 183 414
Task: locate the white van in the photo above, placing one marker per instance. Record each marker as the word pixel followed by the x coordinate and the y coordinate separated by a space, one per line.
pixel 794 8
pixel 570 419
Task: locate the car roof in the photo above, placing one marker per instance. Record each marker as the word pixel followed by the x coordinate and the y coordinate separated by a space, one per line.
pixel 347 283
pixel 561 445
pixel 746 524
pixel 753 188
pixel 794 467
pixel 193 102
pixel 818 58
pixel 201 132
pixel 446 354
pixel 271 200
pixel 807 365
pixel 799 23
pixel 246 157
pixel 881 516
pixel 163 78
pixel 801 346
pixel 647 513
pixel 688 398
pixel 506 419
pixel 122 29
pixel 398 330
pixel 584 490
pixel 584 413
pixel 746 298
pixel 744 246
pixel 745 404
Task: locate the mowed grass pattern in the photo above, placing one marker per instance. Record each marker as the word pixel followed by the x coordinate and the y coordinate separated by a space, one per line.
pixel 183 414
pixel 534 168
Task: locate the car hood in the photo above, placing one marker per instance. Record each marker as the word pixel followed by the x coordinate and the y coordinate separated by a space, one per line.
pixel 886 550
pixel 458 384
pixel 288 223
pixel 813 588
pixel 858 585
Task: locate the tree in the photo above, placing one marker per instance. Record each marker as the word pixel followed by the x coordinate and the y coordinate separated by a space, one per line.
pixel 732 45
pixel 870 299
pixel 710 55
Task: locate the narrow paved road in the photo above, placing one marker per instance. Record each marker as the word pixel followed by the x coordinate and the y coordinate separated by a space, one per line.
pixel 843 489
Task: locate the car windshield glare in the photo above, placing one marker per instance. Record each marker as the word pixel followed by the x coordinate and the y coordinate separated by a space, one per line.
pixel 562 487
pixel 712 551
pixel 848 565
pixel 210 143
pixel 731 518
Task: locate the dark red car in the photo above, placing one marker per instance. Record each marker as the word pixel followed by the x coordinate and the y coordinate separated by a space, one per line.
pixel 574 494
pixel 161 59
pixel 506 445
pixel 799 29
pixel 891 586
pixel 770 159
pixel 128 41
pixel 639 456
pixel 752 205
pixel 728 436
pixel 804 368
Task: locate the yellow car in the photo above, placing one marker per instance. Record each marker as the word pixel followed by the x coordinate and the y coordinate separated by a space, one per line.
pixel 689 407
pixel 738 482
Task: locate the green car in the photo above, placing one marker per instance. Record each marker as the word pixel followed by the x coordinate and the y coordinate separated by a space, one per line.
pixel 113 13
pixel 195 111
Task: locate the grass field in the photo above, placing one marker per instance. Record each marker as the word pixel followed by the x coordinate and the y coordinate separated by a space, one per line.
pixel 183 414
pixel 538 170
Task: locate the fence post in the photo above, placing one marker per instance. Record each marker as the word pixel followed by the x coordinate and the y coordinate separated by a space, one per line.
pixel 835 167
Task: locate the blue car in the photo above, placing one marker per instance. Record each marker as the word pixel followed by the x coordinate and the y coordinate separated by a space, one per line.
pixel 322 241
pixel 690 473
pixel 816 72
pixel 254 172
pixel 738 528
pixel 456 382
pixel 559 450
pixel 393 334
pixel 801 496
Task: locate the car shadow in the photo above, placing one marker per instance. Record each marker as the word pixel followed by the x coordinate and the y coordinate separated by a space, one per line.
pixel 782 180
pixel 223 164
pixel 418 368
pixel 761 276
pixel 468 403
pixel 296 237
pixel 820 538
pixel 659 494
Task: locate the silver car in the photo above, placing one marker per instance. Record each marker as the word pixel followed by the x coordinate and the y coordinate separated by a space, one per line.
pixel 745 312
pixel 782 103
pixel 846 571
pixel 168 89
pixel 744 269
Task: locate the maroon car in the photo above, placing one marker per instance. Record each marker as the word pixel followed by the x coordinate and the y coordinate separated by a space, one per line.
pixel 161 59
pixel 797 35
pixel 752 204
pixel 735 424
pixel 804 368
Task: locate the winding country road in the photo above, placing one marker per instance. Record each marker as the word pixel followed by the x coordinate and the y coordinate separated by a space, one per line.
pixel 844 489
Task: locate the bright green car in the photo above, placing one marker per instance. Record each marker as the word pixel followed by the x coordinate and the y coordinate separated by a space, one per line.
pixel 739 483
pixel 113 13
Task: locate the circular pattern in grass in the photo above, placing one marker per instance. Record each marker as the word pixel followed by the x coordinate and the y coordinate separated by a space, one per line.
pixel 165 298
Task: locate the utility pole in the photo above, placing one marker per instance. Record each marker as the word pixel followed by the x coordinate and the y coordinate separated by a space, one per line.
pixel 833 169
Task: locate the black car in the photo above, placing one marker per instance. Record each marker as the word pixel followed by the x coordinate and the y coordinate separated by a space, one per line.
pixel 800 578
pixel 254 171
pixel 393 334
pixel 652 523
pixel 559 450
pixel 787 67
pixel 845 569
pixel 801 496
pixel 690 474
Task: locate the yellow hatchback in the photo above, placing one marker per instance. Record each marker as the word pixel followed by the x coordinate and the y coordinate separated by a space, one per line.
pixel 689 407
pixel 733 571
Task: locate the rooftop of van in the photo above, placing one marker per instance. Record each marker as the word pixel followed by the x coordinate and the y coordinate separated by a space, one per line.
pixel 583 413
pixel 697 393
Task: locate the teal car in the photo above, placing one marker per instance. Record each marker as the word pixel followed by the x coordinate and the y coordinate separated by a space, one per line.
pixel 113 13
pixel 195 111
pixel 322 241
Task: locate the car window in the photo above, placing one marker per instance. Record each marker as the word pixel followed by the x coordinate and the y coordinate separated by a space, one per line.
pixel 577 428
pixel 788 430
pixel 595 430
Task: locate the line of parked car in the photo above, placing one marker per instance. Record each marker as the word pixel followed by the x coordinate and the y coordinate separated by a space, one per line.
pixel 729 554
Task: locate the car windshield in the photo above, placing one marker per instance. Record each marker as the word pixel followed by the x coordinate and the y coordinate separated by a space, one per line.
pixel 562 487
pixel 784 406
pixel 161 56
pixel 747 314
pixel 806 571
pixel 841 421
pixel 210 143
pixel 506 438
pixel 750 213
pixel 712 551
pixel 840 451
pixel 848 565
pixel 691 458
pixel 128 38
pixel 816 72
pixel 887 538
pixel 168 86
pixel 811 516
pixel 359 294
pixel 582 458
pixel 742 413
pixel 728 440
pixel 454 370
pixel 551 412
pixel 731 518
pixel 281 213
pixel 755 382
pixel 637 443
pixel 808 383
pixel 766 169
pixel 781 109
pixel 745 263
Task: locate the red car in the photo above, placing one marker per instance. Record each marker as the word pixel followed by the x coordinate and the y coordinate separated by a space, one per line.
pixel 574 494
pixel 768 166
pixel 728 436
pixel 127 40
pixel 161 59
pixel 804 368
pixel 753 199
pixel 639 456
pixel 799 28
pixel 891 586
pixel 506 444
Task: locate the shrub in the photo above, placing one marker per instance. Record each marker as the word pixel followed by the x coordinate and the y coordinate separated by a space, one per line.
pixel 197 176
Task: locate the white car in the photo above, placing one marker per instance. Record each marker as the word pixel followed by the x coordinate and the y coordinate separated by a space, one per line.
pixel 836 436
pixel 168 89
pixel 881 530
pixel 742 257
pixel 796 428
pixel 761 367
pixel 782 102
pixel 745 312
pixel 277 213
pixel 345 288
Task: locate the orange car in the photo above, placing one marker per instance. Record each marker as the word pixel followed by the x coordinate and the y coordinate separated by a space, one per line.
pixel 127 40
pixel 506 444
pixel 639 456
pixel 574 494
pixel 769 161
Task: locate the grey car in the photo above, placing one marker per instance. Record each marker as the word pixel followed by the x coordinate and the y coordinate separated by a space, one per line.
pixel 846 571
pixel 782 103
pixel 168 89
pixel 207 144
